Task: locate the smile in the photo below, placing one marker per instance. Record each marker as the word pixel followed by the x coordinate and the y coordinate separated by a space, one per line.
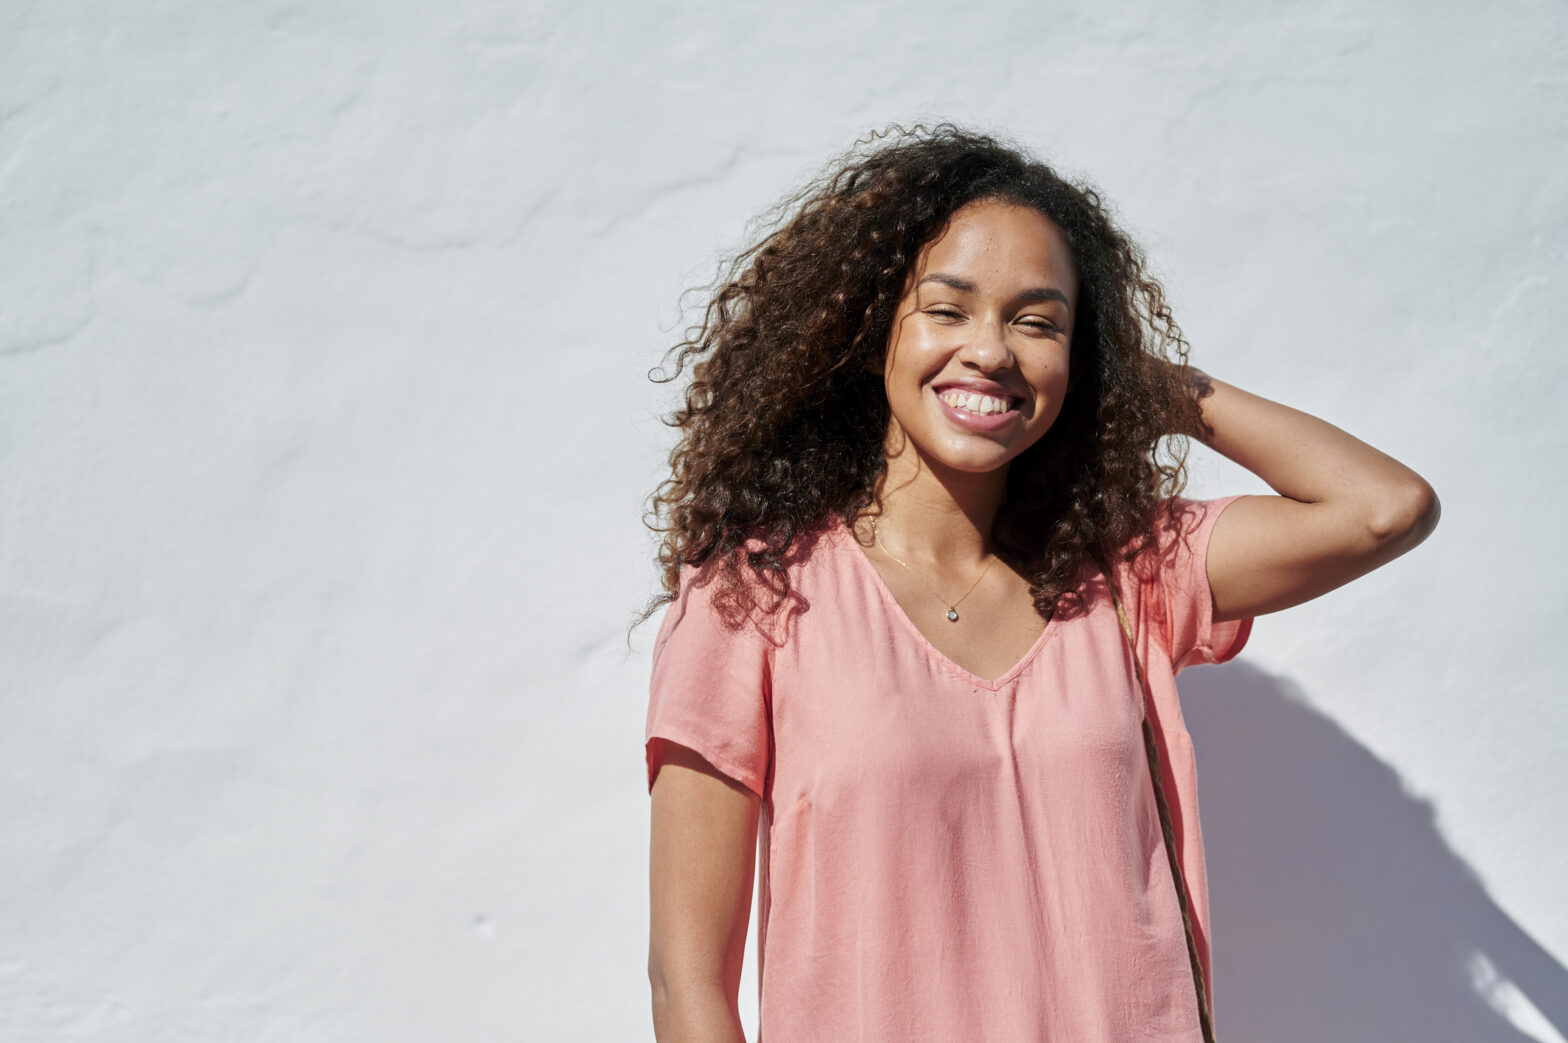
pixel 976 411
pixel 974 402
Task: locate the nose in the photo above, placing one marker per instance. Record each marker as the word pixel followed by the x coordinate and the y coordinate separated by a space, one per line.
pixel 988 348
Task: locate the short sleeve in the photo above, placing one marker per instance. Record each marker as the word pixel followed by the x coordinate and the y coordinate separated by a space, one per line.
pixel 1183 602
pixel 710 686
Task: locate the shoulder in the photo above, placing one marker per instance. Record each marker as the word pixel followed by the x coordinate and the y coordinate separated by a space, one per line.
pixel 1176 539
pixel 1169 584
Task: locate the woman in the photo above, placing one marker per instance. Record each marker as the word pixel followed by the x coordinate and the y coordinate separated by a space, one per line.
pixel 925 471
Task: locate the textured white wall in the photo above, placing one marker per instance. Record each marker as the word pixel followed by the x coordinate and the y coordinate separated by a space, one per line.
pixel 324 433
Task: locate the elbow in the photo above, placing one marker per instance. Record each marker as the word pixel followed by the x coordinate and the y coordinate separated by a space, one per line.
pixel 659 986
pixel 661 1005
pixel 692 1009
pixel 656 980
pixel 1406 516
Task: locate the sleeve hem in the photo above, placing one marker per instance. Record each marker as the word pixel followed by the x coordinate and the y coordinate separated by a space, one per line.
pixel 1218 642
pixel 745 776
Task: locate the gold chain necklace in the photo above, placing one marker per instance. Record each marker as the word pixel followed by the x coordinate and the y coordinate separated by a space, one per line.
pixel 952 606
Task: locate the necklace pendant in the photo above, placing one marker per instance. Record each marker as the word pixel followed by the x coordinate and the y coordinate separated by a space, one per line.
pixel 952 615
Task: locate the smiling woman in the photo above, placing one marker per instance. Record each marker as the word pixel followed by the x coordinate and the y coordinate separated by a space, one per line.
pixel 980 344
pixel 931 583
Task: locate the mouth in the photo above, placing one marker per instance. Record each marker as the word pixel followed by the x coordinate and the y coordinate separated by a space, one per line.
pixel 976 403
pixel 977 411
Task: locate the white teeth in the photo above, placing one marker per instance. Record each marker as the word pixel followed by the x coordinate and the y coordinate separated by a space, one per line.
pixel 973 402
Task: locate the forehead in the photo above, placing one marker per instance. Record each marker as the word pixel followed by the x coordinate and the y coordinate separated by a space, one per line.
pixel 1001 246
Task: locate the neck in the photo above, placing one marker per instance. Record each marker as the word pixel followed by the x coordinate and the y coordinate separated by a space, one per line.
pixel 934 514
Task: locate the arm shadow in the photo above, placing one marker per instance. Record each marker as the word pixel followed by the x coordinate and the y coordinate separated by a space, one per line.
pixel 1339 912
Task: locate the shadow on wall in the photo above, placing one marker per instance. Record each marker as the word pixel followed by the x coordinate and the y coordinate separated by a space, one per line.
pixel 1339 911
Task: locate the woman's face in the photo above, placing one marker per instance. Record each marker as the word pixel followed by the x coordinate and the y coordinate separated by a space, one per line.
pixel 977 359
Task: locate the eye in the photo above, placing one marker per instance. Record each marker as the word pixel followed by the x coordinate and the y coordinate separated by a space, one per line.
pixel 945 312
pixel 1035 322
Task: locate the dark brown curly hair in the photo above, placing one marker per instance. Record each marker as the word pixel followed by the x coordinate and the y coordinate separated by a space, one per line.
pixel 785 416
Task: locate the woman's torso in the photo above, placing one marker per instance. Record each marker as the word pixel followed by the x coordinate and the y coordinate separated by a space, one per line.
pixel 950 855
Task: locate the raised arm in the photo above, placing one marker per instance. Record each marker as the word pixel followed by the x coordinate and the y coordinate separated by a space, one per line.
pixel 1343 508
pixel 702 856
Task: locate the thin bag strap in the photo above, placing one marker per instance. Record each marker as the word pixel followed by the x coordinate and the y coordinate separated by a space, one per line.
pixel 1153 752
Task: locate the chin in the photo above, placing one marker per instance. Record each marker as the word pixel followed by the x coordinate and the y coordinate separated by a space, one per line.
pixel 971 463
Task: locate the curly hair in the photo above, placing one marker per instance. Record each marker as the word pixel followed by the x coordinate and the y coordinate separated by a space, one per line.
pixel 784 420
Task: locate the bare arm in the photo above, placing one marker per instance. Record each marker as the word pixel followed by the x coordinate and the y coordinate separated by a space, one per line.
pixel 1343 508
pixel 702 856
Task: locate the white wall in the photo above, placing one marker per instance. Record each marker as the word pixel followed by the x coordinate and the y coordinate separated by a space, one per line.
pixel 324 432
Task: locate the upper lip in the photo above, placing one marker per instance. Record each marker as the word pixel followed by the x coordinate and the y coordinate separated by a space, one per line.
pixel 979 387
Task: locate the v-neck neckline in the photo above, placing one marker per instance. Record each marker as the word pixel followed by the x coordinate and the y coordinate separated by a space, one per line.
pixel 853 548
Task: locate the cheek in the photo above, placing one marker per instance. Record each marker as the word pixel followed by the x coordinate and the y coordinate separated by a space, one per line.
pixel 1057 375
pixel 911 357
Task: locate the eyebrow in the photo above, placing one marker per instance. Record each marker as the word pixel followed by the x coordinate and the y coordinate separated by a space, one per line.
pixel 1038 295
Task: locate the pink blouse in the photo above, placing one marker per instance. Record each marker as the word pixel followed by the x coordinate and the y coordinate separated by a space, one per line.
pixel 944 857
